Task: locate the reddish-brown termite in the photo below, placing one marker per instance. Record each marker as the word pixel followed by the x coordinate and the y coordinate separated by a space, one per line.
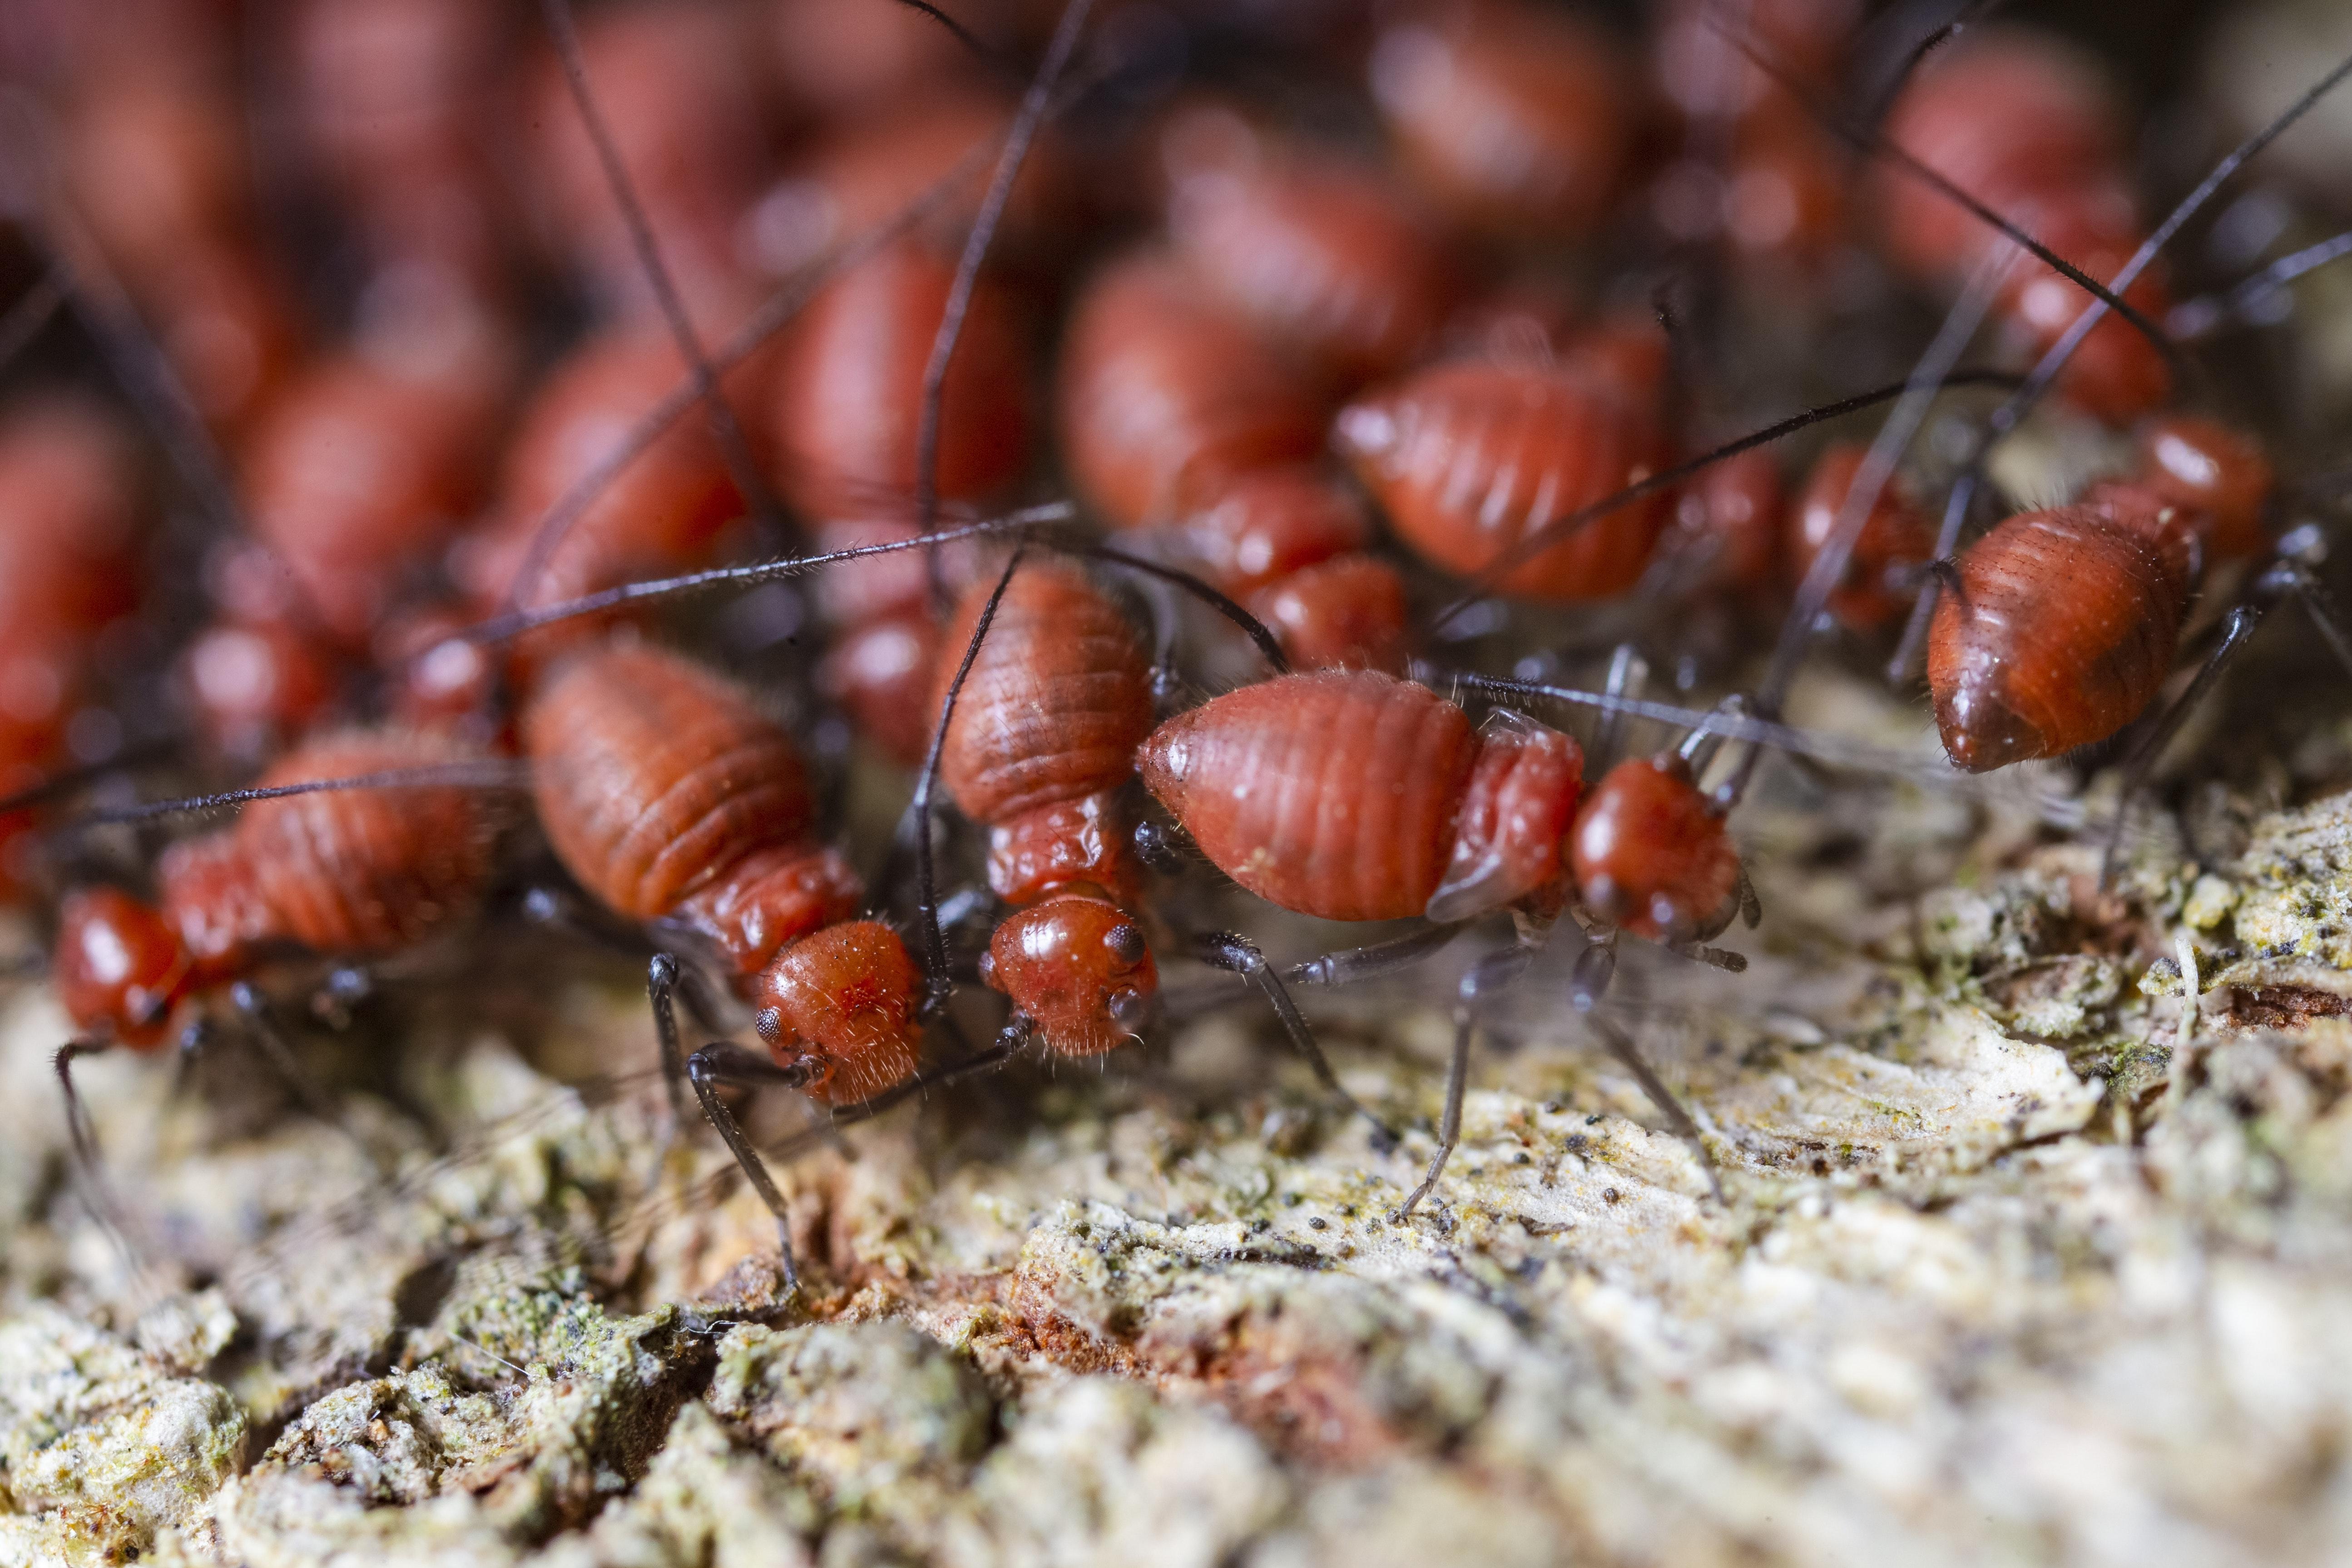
pixel 1357 796
pixel 1177 418
pixel 355 845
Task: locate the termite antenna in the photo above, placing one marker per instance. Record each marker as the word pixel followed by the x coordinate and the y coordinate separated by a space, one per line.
pixel 1562 528
pixel 1878 466
pixel 464 775
pixel 1035 104
pixel 2195 317
pixel 2011 412
pixel 960 33
pixel 1729 724
pixel 1269 647
pixel 787 302
pixel 72 780
pixel 32 312
pixel 724 427
pixel 937 983
pixel 514 623
pixel 1629 1056
pixel 1869 144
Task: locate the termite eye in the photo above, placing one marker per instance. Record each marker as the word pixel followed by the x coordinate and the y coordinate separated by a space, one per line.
pixel 771 1024
pixel 1125 940
pixel 1127 1006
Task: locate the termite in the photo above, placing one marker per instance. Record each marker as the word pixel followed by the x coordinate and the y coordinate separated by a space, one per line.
pixel 152 159
pixel 2027 128
pixel 70 493
pixel 1177 418
pixel 1353 795
pixel 1518 118
pixel 344 873
pixel 1326 256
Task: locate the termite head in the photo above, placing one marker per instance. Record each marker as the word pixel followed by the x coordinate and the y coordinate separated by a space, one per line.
pixel 841 1004
pixel 1650 855
pixel 1077 966
pixel 120 967
pixel 2210 470
pixel 1513 820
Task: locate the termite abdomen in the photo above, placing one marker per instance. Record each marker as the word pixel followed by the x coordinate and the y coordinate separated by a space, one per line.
pixel 2060 628
pixel 850 380
pixel 667 794
pixel 1352 795
pixel 1650 853
pixel 1162 398
pixel 1468 460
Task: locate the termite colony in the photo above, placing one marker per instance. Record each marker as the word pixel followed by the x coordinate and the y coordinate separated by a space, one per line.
pixel 1209 448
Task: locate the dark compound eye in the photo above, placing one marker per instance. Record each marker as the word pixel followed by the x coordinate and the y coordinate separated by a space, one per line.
pixel 771 1024
pixel 1126 944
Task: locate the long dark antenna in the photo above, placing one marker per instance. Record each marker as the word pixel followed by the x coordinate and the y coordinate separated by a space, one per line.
pixel 1872 145
pixel 486 774
pixel 1562 528
pixel 1916 55
pixel 724 427
pixel 1036 523
pixel 2195 318
pixel 498 629
pixel 1035 104
pixel 937 983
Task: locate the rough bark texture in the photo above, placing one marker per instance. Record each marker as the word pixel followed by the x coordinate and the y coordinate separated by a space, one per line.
pixel 2001 1273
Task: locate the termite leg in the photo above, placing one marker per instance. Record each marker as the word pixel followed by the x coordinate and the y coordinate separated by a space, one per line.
pixel 1232 952
pixel 254 1008
pixel 1629 1056
pixel 1489 974
pixel 2236 632
pixel 719 1062
pixel 1699 747
pixel 561 909
pixel 1627 672
pixel 1166 849
pixel 97 1197
pixel 1007 1044
pixel 1595 967
pixel 1751 908
pixel 2293 574
pixel 1371 962
pixel 661 988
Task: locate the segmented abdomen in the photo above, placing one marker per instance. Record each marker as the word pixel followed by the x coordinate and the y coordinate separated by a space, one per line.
pixel 1470 458
pixel 654 775
pixel 1333 793
pixel 2064 624
pixel 1058 697
pixel 366 870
